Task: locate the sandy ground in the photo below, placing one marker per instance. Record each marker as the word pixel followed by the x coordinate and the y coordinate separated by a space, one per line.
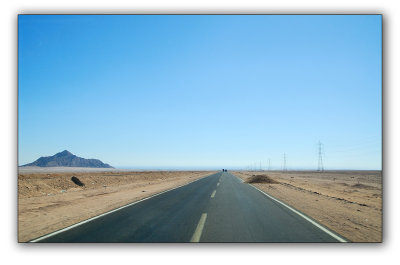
pixel 348 202
pixel 48 200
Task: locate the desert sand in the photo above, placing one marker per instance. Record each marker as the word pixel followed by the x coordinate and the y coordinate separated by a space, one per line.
pixel 49 201
pixel 347 202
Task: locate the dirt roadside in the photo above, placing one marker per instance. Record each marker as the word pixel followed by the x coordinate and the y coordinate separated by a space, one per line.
pixel 347 202
pixel 51 201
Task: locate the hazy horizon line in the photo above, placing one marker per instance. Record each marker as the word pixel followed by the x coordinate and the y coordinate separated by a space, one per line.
pixel 238 168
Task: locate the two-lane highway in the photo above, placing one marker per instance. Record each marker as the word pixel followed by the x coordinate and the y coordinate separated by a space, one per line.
pixel 217 208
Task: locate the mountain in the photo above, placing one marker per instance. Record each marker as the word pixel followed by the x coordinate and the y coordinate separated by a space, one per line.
pixel 66 159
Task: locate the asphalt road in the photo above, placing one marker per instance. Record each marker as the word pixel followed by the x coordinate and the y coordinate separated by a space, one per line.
pixel 217 208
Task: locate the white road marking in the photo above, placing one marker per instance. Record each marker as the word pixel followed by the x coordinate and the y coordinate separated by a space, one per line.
pixel 101 215
pixel 217 184
pixel 340 239
pixel 213 194
pixel 199 229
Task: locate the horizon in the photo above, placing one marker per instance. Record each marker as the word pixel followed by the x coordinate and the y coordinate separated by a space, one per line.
pixel 202 91
pixel 180 168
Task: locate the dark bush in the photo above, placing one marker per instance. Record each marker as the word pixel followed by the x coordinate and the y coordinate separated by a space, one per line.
pixel 77 181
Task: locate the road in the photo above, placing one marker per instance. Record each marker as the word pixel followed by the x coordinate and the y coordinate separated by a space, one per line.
pixel 217 208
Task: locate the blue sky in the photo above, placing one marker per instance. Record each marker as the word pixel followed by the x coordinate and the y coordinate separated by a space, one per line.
pixel 201 91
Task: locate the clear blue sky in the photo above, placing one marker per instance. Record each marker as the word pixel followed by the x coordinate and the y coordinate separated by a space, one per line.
pixel 201 91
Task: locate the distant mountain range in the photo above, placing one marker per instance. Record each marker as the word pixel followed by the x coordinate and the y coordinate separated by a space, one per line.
pixel 66 159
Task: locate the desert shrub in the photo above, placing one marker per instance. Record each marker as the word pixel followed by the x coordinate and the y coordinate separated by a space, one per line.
pixel 77 181
pixel 363 186
pixel 261 179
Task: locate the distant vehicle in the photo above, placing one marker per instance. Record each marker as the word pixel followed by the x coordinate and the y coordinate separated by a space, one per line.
pixel 224 170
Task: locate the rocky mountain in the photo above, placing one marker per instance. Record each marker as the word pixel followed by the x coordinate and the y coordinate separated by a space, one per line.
pixel 66 159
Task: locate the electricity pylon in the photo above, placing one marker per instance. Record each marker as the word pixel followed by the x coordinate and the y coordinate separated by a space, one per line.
pixel 284 162
pixel 320 153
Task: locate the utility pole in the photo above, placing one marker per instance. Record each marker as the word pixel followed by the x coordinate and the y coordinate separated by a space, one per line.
pixel 320 162
pixel 260 165
pixel 269 164
pixel 284 162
